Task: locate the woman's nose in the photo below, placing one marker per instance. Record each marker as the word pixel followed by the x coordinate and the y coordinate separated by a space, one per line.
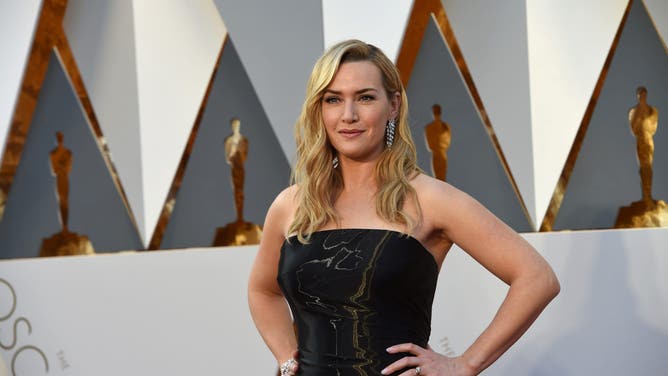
pixel 350 113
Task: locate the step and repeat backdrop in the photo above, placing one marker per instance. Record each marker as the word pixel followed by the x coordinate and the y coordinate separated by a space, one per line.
pixel 145 140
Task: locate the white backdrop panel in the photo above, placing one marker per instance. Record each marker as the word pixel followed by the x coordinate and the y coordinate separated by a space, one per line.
pixel 17 25
pixel 611 317
pixel 177 44
pixel 161 313
pixel 568 43
pixel 379 22
pixel 185 312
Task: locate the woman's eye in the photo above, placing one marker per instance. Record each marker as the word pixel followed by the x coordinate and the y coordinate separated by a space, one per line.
pixel 331 100
pixel 367 98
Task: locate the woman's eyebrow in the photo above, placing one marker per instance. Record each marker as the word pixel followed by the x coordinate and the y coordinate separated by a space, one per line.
pixel 337 92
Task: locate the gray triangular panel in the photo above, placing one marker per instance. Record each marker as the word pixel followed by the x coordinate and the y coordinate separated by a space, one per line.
pixel 95 206
pixel 605 176
pixel 278 42
pixel 205 199
pixel 473 164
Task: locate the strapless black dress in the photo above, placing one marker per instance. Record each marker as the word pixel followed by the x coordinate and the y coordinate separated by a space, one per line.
pixel 354 293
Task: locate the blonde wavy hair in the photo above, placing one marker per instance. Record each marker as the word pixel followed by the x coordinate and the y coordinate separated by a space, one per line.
pixel 319 184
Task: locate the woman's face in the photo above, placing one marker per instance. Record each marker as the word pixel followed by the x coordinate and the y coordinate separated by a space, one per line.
pixel 355 109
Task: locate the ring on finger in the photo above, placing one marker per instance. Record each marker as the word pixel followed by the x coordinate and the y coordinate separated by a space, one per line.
pixel 417 370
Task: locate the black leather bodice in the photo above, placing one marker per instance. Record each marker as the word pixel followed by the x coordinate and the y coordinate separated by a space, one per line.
pixel 355 292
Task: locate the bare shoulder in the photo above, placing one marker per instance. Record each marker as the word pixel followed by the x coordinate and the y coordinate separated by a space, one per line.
pixel 445 206
pixel 286 198
pixel 426 185
pixel 432 191
pixel 282 210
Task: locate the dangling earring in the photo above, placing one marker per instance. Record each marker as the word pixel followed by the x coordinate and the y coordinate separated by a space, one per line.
pixel 389 132
pixel 335 162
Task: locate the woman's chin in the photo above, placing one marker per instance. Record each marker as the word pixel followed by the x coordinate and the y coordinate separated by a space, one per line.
pixel 360 157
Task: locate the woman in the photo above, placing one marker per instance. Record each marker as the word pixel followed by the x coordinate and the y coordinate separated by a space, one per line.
pixel 355 245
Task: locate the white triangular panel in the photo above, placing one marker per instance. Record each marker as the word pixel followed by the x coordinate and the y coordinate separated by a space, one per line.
pixel 387 17
pixel 105 57
pixel 17 25
pixel 277 42
pixel 658 12
pixel 492 37
pixel 568 43
pixel 177 44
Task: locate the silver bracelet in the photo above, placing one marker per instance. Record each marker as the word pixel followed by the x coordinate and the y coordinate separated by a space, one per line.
pixel 286 367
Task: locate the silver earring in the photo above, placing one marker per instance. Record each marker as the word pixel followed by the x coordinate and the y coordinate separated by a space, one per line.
pixel 335 162
pixel 389 132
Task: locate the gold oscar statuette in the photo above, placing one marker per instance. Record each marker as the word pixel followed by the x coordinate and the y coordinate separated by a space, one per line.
pixel 64 243
pixel 238 232
pixel 647 212
pixel 438 136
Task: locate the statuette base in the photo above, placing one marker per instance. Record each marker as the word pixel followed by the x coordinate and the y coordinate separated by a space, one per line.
pixel 66 243
pixel 653 213
pixel 237 233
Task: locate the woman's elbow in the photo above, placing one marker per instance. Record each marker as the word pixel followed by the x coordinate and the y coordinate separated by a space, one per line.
pixel 541 281
pixel 551 284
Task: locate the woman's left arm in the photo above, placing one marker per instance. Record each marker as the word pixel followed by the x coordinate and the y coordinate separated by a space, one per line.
pixel 504 253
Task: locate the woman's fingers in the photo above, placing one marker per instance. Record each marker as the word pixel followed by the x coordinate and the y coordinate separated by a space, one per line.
pixel 412 372
pixel 405 362
pixel 406 347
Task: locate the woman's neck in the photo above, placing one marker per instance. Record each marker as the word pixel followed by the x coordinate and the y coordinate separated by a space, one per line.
pixel 358 175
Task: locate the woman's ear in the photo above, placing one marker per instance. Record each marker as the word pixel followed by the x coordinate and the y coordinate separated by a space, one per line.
pixel 395 103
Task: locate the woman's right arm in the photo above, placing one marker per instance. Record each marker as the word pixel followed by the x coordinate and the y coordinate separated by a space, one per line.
pixel 268 307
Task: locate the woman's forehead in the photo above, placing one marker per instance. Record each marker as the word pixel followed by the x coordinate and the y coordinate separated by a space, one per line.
pixel 356 74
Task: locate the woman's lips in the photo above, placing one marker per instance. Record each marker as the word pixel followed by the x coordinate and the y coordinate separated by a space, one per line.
pixel 350 133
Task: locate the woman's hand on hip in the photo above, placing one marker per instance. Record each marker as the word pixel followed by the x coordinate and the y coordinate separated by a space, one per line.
pixel 426 362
